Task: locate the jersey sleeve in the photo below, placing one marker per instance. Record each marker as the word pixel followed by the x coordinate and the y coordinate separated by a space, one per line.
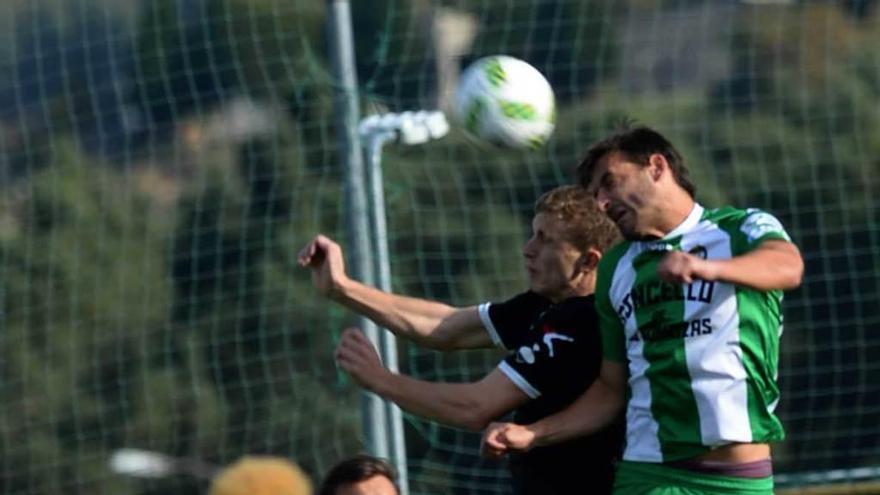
pixel 507 322
pixel 610 327
pixel 567 343
pixel 758 226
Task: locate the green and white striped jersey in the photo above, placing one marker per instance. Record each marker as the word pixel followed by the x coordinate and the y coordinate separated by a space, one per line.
pixel 702 357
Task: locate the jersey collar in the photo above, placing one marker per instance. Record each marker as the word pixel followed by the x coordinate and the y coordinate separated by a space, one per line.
pixel 689 222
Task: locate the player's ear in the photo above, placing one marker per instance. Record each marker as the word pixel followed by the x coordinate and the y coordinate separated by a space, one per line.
pixel 589 260
pixel 657 164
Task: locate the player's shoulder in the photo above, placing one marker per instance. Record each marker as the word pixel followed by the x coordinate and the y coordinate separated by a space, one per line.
pixel 577 302
pixel 519 309
pixel 733 214
pixel 752 222
pixel 528 301
pixel 578 309
pixel 726 214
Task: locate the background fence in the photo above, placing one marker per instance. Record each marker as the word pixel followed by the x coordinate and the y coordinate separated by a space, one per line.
pixel 162 161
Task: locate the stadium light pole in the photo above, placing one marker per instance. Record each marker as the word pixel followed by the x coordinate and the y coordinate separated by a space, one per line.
pixel 408 128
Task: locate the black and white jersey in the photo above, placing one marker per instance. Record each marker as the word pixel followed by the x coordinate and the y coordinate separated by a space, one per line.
pixel 555 354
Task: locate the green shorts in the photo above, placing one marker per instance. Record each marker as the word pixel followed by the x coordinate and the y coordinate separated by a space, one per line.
pixel 643 478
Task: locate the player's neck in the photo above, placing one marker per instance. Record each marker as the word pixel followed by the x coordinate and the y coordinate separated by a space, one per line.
pixel 584 286
pixel 675 211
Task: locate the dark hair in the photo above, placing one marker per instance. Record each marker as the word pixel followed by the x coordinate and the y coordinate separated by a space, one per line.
pixel 585 224
pixel 356 469
pixel 637 144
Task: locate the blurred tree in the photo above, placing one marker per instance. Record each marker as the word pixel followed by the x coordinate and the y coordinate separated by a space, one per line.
pixel 182 326
pixel 574 56
pixel 268 48
pixel 65 74
pixel 73 326
pixel 801 139
pixel 254 332
pixel 180 67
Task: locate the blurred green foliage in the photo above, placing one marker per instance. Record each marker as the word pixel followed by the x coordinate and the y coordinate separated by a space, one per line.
pixel 149 294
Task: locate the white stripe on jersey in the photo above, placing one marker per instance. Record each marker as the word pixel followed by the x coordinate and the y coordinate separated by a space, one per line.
pixel 714 361
pixel 519 380
pixel 490 328
pixel 642 442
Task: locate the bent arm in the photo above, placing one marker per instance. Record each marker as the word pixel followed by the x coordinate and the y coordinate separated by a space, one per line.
pixel 592 411
pixel 465 405
pixel 773 265
pixel 430 324
pixel 589 413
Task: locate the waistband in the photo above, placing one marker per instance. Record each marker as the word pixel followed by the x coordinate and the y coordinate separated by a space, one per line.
pixel 754 469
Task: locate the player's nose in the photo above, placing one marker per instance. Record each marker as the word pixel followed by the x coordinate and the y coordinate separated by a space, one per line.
pixel 528 249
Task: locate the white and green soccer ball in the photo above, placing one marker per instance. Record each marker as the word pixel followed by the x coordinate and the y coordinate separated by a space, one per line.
pixel 505 101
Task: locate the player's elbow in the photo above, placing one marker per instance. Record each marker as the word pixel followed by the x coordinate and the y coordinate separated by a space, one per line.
pixel 443 342
pixel 793 273
pixel 476 416
pixel 444 338
pixel 434 340
pixel 785 269
pixel 795 278
pixel 475 422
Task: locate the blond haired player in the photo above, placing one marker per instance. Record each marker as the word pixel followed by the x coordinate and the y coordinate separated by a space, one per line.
pixel 550 331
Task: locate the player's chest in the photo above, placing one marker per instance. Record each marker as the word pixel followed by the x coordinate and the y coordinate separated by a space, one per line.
pixel 645 301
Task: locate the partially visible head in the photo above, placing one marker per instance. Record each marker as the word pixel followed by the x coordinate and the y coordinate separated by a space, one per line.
pixel 633 174
pixel 636 145
pixel 569 235
pixel 361 475
pixel 254 475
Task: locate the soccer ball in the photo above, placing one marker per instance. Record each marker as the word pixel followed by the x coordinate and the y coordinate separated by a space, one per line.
pixel 505 101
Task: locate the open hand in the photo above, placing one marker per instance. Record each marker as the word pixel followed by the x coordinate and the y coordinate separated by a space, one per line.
pixel 356 355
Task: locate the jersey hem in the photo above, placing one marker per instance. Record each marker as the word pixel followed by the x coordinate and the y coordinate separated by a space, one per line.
pixel 489 326
pixel 518 380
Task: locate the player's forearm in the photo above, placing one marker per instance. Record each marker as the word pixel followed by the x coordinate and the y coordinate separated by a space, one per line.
pixel 592 411
pixel 414 319
pixel 453 404
pixel 776 265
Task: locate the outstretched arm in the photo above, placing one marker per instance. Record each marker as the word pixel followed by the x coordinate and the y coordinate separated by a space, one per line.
pixel 774 264
pixel 465 405
pixel 592 411
pixel 429 323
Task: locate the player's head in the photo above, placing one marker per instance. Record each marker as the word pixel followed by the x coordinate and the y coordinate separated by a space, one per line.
pixel 569 235
pixel 633 174
pixel 255 475
pixel 360 475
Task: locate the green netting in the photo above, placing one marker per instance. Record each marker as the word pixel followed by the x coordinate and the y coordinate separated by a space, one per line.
pixel 162 161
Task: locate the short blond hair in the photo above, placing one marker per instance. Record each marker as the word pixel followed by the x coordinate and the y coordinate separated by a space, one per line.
pixel 256 475
pixel 585 225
